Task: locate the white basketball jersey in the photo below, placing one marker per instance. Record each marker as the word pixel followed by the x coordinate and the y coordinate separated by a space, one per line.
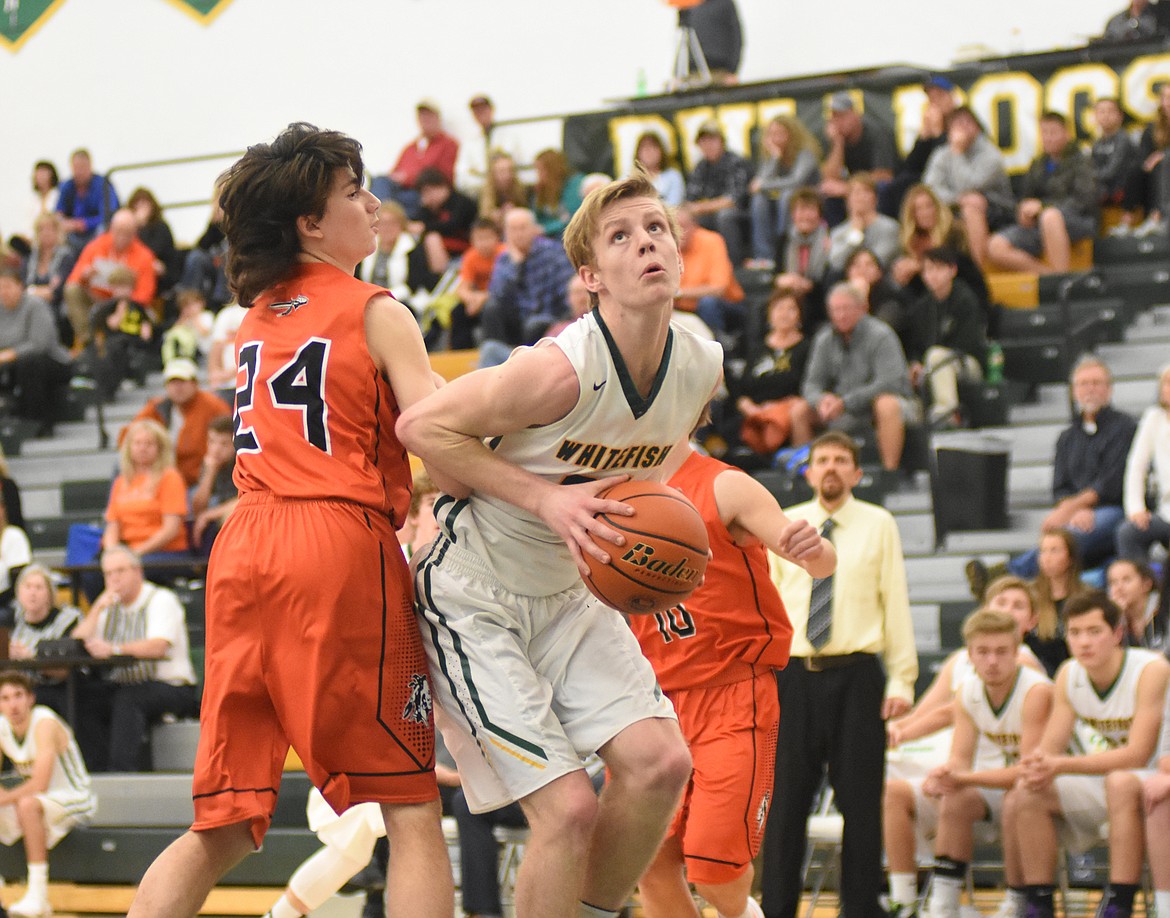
pixel 69 781
pixel 1000 728
pixel 611 430
pixel 1108 714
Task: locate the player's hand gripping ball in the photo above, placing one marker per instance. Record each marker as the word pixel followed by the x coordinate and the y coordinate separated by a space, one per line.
pixel 665 553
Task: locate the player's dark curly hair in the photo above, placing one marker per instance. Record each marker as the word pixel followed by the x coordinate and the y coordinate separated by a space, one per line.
pixel 265 192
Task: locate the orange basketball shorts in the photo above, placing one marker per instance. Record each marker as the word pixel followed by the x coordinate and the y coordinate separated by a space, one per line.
pixel 311 642
pixel 731 731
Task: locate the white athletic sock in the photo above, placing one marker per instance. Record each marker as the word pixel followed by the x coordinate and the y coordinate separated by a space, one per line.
pixel 1162 902
pixel 752 910
pixel 592 911
pixel 945 893
pixel 38 880
pixel 903 888
pixel 283 910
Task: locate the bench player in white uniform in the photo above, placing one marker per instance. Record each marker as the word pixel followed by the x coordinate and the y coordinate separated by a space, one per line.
pixel 922 740
pixel 1118 692
pixel 1156 794
pixel 530 672
pixel 1001 705
pixel 53 797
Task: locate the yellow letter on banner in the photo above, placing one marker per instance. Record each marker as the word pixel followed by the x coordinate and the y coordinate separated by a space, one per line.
pixel 1017 135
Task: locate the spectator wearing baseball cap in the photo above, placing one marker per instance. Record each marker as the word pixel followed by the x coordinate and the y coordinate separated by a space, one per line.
pixel 854 142
pixel 479 140
pixel 186 411
pixel 717 189
pixel 433 148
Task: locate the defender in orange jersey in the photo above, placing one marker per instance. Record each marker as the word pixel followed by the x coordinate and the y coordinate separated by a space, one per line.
pixel 714 657
pixel 311 639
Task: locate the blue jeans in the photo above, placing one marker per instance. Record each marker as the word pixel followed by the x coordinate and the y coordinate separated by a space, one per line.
pixel 1096 546
pixel 769 219
pixel 1134 543
pixel 714 311
pixel 385 188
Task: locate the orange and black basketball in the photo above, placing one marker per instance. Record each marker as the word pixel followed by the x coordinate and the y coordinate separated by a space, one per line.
pixel 665 553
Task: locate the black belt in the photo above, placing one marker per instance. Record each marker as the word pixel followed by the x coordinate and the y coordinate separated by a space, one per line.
pixel 816 664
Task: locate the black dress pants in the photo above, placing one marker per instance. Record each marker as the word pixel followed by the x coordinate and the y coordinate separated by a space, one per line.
pixel 828 719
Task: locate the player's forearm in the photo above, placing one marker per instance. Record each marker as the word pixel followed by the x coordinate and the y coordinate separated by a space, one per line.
pixel 825 564
pixel 468 461
pixel 1101 763
pixel 1000 778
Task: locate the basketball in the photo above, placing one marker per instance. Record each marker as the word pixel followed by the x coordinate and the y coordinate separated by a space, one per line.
pixel 665 553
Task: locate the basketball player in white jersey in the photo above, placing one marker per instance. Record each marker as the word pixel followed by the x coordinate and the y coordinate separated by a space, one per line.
pixel 53 797
pixel 1117 692
pixel 530 672
pixel 922 740
pixel 1156 794
pixel 1002 705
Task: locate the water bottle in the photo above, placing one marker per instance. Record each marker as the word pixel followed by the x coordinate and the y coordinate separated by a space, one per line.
pixel 994 363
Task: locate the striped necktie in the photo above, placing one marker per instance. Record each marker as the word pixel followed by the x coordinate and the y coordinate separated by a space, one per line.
pixel 820 603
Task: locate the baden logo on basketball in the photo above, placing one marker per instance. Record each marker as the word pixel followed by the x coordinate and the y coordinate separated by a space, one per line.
pixel 665 551
pixel 669 574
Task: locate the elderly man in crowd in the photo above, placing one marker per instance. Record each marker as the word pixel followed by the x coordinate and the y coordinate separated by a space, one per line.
pixel 145 622
pixel 89 281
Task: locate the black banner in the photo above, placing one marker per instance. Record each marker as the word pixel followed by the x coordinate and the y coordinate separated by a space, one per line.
pixel 1008 94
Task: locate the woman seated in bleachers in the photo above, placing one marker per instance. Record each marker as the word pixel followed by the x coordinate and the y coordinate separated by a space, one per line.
pixel 1131 585
pixel 148 502
pixel 1148 466
pixel 790 158
pixel 556 194
pixel 865 272
pixel 40 618
pixel 155 233
pixel 767 394
pixel 1058 580
pixel 927 224
pixel 1148 189
pixel 502 190
pixel 651 154
pixel 49 262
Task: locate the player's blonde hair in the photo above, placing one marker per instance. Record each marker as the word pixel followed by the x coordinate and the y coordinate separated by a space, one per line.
pixel 582 229
pixel 989 621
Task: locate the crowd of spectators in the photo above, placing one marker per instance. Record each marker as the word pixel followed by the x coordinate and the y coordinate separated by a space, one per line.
pixel 878 309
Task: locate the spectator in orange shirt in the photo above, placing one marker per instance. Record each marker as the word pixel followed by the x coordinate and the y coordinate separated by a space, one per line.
pixel 148 502
pixel 475 274
pixel 88 282
pixel 186 411
pixel 434 147
pixel 708 286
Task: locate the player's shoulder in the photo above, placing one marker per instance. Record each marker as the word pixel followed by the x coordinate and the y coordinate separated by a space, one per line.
pixel 689 345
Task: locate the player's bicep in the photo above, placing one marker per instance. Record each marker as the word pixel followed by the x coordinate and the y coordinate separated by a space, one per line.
pixel 535 386
pixel 396 347
pixel 1062 719
pixel 965 735
pixel 1035 716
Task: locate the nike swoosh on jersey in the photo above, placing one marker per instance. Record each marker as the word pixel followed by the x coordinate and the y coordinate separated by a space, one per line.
pixel 597 385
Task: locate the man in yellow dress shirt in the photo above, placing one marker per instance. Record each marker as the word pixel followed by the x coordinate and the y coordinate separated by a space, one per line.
pixel 836 694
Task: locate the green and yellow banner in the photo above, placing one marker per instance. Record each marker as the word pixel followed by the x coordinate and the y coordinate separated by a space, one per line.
pixel 20 19
pixel 204 11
